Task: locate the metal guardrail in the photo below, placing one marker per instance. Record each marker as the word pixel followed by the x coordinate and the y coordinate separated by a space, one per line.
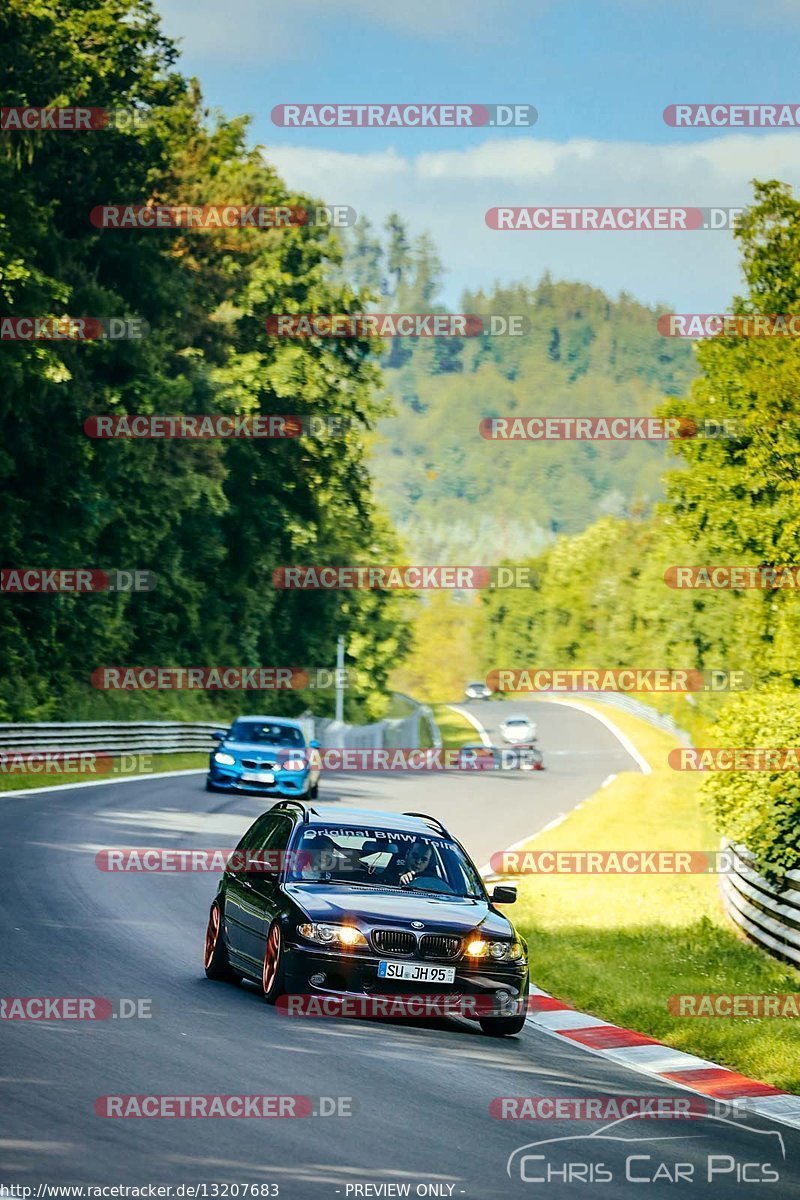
pixel 110 737
pixel 338 735
pixel 426 714
pixel 392 733
pixel 637 709
pixel 169 737
pixel 768 916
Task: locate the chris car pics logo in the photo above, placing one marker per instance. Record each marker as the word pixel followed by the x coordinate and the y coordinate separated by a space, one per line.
pixel 618 1153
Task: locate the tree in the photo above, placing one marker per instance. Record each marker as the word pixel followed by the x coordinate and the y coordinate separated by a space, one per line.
pixel 212 519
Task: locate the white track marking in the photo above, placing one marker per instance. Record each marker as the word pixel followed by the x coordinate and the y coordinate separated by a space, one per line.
pixel 66 787
pixel 474 722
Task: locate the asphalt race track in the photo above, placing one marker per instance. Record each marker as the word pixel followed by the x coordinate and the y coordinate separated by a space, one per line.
pixel 420 1093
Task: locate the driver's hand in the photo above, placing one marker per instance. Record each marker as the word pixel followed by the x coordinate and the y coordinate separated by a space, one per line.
pixel 406 877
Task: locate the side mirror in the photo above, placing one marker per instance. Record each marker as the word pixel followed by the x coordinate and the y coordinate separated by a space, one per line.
pixel 314 744
pixel 217 736
pixel 504 894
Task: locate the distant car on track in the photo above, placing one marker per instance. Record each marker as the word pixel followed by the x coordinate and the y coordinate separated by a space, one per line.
pixel 363 903
pixel 477 691
pixel 517 729
pixel 496 758
pixel 267 755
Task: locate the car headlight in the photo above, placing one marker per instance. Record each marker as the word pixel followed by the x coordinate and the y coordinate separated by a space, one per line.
pixel 499 951
pixel 342 937
pixel 224 760
pixel 295 764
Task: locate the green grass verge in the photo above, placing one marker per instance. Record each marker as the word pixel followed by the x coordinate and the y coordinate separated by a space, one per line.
pixel 455 730
pixel 620 946
pixel 146 764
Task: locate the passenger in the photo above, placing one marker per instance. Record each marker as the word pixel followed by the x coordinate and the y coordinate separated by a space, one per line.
pixel 316 858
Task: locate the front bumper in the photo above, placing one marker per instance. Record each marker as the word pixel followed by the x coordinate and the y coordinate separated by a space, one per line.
pixel 357 975
pixel 295 783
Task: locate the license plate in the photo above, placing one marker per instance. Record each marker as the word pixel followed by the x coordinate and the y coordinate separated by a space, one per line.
pixel 421 972
pixel 258 777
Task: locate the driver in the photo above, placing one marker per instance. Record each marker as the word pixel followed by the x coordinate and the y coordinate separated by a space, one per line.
pixel 418 862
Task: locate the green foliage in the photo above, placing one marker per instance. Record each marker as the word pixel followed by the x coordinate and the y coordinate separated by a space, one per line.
pixel 601 598
pixel 210 518
pixel 760 809
pixel 449 491
pixel 740 496
pixel 446 651
pixel 586 355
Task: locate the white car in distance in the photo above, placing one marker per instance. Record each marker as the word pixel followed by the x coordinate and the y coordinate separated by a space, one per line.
pixel 518 730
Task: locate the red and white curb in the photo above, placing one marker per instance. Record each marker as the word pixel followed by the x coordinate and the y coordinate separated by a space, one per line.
pixel 649 1057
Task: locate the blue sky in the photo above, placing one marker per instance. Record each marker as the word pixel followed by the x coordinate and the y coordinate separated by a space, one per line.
pixel 599 72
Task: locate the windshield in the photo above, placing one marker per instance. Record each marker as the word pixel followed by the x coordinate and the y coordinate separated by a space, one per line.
pixel 517 721
pixel 271 733
pixel 383 858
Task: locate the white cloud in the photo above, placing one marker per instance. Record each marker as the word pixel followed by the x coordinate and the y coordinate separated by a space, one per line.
pixel 448 192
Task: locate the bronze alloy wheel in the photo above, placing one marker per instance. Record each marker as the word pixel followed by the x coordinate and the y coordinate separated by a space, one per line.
pixel 212 935
pixel 272 957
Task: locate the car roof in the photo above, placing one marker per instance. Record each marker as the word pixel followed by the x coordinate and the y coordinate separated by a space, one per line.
pixel 342 816
pixel 270 720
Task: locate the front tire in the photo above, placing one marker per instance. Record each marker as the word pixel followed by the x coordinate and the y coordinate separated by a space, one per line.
pixel 273 971
pixel 215 955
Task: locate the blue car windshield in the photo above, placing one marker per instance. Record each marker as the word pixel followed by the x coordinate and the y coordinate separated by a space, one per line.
pixel 271 733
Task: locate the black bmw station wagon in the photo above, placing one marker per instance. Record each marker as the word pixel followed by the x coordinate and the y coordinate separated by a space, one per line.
pixel 345 902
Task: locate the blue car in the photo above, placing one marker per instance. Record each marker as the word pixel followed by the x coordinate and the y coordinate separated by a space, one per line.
pixel 264 755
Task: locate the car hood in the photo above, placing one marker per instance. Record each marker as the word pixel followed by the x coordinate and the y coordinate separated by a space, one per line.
pixel 338 903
